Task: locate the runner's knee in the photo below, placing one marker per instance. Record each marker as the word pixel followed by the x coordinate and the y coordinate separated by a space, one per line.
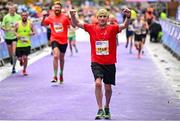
pixel 56 57
pixel 62 59
pixel 108 88
pixel 98 83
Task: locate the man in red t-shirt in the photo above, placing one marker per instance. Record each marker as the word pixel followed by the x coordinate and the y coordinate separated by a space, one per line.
pixel 59 24
pixel 103 54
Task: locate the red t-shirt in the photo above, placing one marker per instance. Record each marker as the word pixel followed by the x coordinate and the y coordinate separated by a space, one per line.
pixel 103 43
pixel 59 27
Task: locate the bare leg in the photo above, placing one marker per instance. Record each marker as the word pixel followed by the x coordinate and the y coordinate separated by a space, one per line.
pixel 62 62
pixel 143 43
pixel 139 50
pixel 108 94
pixel 70 46
pixel 10 52
pixel 127 42
pixel 55 60
pixel 14 54
pixel 75 47
pixel 25 60
pixel 98 92
pixel 131 44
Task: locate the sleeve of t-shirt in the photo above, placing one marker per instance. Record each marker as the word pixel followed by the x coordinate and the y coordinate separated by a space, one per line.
pixel 116 28
pixel 87 27
pixel 47 21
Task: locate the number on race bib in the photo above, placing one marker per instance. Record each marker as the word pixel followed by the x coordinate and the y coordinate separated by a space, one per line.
pixel 102 48
pixel 58 27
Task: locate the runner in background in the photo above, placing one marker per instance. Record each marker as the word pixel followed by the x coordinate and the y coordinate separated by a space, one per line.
pixel 129 36
pixel 24 31
pixel 137 27
pixel 8 25
pixel 59 24
pixel 144 30
pixel 72 40
pixel 130 31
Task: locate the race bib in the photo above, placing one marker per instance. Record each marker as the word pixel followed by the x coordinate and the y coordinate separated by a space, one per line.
pixel 102 48
pixel 24 39
pixel 58 27
pixel 143 31
pixel 138 31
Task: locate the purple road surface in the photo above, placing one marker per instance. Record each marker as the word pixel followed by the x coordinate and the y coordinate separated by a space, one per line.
pixel 141 92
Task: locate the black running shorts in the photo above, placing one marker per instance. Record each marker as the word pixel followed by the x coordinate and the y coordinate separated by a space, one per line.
pixel 10 41
pixel 61 47
pixel 105 72
pixel 137 37
pixel 21 51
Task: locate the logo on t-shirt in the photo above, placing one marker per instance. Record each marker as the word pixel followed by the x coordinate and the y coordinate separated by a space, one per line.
pixel 12 26
pixel 58 27
pixel 102 47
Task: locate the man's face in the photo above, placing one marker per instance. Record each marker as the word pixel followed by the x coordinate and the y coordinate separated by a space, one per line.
pixel 57 9
pixel 12 9
pixel 24 16
pixel 102 19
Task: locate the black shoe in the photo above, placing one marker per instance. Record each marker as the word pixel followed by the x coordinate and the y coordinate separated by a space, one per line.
pixel 107 114
pixel 100 114
pixel 13 71
pixel 126 46
pixel 143 52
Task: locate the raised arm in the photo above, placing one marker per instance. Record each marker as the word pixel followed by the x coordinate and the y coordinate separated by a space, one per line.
pixel 127 13
pixel 45 14
pixel 74 20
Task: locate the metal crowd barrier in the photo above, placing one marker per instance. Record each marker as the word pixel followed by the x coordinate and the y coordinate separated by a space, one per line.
pixel 171 36
pixel 37 41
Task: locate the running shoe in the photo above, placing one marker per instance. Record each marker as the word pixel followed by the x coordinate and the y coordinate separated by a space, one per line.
pixel 100 114
pixel 61 79
pixel 24 73
pixel 107 114
pixel 54 79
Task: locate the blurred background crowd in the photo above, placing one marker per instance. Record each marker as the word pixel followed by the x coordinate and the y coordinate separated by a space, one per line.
pixel 87 8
